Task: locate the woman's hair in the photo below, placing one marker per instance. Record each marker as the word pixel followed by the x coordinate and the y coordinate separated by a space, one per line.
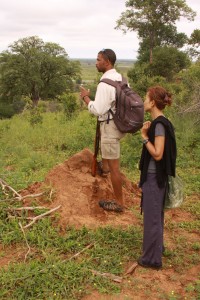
pixel 160 96
pixel 109 54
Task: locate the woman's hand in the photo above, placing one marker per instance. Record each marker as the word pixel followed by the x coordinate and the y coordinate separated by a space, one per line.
pixel 144 130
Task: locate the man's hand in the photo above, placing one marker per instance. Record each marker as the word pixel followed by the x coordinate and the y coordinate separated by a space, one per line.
pixel 84 94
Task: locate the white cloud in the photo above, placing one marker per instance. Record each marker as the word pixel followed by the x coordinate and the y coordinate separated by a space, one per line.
pixel 82 27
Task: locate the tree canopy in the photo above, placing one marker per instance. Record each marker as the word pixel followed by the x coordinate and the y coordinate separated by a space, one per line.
pixel 36 69
pixel 194 42
pixel 155 21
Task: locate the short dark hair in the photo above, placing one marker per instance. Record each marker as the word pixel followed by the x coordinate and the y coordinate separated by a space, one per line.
pixel 109 55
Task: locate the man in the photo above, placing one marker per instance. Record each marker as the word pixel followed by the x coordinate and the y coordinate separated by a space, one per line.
pixel 105 99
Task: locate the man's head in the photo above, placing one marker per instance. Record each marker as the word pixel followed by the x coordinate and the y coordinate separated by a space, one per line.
pixel 105 60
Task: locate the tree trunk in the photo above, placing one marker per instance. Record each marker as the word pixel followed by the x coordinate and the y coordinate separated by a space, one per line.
pixel 151 56
pixel 151 40
pixel 35 96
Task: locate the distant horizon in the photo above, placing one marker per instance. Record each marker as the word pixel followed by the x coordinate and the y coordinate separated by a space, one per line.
pixel 94 58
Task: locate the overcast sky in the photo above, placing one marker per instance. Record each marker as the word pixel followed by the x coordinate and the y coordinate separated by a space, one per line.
pixel 82 27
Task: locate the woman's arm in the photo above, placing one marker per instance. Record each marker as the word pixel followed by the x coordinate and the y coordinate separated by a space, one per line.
pixel 157 149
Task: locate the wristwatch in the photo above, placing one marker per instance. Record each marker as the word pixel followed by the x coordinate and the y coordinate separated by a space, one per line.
pixel 145 141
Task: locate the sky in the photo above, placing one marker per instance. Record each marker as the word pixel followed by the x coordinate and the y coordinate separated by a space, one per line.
pixel 81 27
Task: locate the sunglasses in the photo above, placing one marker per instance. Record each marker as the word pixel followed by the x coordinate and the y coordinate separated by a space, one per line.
pixel 104 52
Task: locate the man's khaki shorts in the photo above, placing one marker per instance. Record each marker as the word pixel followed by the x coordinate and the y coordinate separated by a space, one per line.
pixel 110 140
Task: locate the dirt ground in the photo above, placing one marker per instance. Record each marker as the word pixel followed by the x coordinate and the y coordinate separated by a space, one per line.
pixel 78 194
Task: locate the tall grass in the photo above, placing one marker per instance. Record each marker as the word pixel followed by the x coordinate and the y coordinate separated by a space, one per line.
pixel 29 151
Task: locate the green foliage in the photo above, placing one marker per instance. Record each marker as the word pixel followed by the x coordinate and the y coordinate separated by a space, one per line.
pixel 154 22
pixel 47 275
pixel 168 61
pixel 32 150
pixel 33 68
pixel 29 152
pixel 186 92
pixel 70 105
pixel 140 79
pixel 6 110
pixel 194 41
pixel 35 116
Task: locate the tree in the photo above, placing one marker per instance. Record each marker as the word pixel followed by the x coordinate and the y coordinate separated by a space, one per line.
pixel 194 41
pixel 190 79
pixel 168 61
pixel 155 21
pixel 36 69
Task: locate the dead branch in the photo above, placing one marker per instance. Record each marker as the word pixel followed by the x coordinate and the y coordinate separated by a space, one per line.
pixel 78 253
pixel 5 185
pixel 28 208
pixel 17 195
pixel 131 269
pixel 33 195
pixel 115 278
pixel 41 216
pixel 29 249
pixel 21 198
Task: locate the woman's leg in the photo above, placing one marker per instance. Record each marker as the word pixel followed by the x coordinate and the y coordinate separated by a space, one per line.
pixel 153 222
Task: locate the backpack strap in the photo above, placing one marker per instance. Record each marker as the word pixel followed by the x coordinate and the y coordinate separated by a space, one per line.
pixel 113 82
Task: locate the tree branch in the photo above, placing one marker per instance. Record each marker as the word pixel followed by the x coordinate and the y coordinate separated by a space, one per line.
pixel 41 216
pixel 29 249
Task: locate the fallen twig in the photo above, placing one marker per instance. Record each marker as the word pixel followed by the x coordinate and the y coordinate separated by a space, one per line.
pixel 108 275
pixel 131 269
pixel 41 216
pixel 32 195
pixel 17 195
pixel 5 185
pixel 29 249
pixel 78 253
pixel 28 208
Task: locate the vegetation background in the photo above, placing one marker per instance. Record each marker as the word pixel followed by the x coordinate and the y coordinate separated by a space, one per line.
pixel 43 123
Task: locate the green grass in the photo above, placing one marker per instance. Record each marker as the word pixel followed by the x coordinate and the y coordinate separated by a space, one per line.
pixel 28 152
pixel 50 272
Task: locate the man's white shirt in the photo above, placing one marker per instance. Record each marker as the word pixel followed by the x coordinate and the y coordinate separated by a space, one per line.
pixel 105 96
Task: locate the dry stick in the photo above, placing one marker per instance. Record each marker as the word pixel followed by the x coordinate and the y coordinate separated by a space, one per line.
pixel 51 193
pixel 32 195
pixel 41 216
pixel 29 249
pixel 4 184
pixel 108 275
pixel 21 198
pixel 78 253
pixel 131 269
pixel 28 208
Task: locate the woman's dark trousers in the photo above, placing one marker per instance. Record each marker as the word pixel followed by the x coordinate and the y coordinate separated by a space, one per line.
pixel 152 206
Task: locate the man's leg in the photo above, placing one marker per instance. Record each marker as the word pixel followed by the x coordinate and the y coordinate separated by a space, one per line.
pixel 105 165
pixel 114 167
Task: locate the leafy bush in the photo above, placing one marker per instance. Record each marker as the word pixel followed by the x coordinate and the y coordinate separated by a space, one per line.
pixel 70 106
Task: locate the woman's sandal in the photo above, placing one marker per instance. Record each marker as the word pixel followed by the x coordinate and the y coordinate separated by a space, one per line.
pixel 110 206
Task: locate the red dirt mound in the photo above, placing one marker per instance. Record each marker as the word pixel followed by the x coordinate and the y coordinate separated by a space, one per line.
pixel 78 193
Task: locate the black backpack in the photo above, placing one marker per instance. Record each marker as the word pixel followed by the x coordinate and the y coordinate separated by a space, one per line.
pixel 129 115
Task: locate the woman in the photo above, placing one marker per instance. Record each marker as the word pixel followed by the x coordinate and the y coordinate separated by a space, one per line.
pixel 158 160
